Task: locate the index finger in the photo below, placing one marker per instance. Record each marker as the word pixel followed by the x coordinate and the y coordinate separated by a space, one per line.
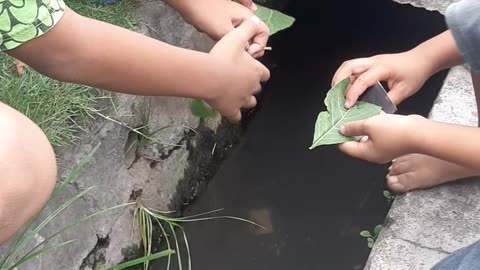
pixel 245 32
pixel 364 81
pixel 351 68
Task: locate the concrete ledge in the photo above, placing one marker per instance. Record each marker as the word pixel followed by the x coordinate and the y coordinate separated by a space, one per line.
pixel 424 227
pixel 433 5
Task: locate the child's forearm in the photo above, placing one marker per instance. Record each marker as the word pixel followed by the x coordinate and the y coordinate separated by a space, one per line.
pixel 111 58
pixel 453 143
pixel 440 52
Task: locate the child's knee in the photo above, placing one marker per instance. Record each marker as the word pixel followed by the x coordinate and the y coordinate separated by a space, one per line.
pixel 28 170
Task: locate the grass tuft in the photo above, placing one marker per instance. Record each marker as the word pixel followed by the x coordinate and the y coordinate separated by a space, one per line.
pixel 60 109
pixel 55 106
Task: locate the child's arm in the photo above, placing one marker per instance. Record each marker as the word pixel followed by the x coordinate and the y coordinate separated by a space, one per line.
pixel 392 136
pixel 219 17
pixel 90 52
pixel 405 72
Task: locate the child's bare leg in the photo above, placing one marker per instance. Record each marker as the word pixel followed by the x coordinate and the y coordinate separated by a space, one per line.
pixel 417 171
pixel 27 171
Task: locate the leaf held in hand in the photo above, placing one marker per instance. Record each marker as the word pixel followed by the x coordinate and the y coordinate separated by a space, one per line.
pixel 275 20
pixel 198 108
pixel 327 127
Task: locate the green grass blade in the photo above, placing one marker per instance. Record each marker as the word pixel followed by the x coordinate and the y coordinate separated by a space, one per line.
pixel 38 253
pixel 187 246
pixel 135 215
pixel 142 260
pixel 74 174
pixel 149 238
pixel 180 220
pixel 47 220
pixel 179 256
pixel 142 228
pixel 159 211
pixel 168 242
pixel 77 223
pixel 201 214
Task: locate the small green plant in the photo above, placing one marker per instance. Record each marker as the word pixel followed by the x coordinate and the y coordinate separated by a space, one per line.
pixel 144 132
pixel 371 237
pixel 147 217
pixel 388 195
pixel 200 109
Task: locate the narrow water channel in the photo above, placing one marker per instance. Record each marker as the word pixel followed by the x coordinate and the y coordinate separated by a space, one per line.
pixel 314 203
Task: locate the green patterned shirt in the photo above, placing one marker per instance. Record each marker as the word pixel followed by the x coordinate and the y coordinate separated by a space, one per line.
pixel 24 20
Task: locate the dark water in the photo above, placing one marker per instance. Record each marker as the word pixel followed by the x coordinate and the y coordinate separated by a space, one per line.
pixel 315 203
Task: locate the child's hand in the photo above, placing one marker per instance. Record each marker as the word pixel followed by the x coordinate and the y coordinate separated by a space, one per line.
pixel 240 74
pixel 219 17
pixel 388 137
pixel 405 73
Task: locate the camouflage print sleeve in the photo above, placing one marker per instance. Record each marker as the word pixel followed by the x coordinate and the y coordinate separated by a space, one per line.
pixel 24 20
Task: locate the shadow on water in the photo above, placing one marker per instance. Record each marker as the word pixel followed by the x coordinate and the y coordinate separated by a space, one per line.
pixel 314 203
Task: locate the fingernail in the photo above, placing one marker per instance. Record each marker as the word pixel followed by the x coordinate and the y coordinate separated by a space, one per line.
pixel 390 168
pixel 342 130
pixel 348 104
pixel 255 19
pixel 254 7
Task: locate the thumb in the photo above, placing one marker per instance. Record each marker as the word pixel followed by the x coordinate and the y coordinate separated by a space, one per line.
pixel 354 149
pixel 357 128
pixel 245 32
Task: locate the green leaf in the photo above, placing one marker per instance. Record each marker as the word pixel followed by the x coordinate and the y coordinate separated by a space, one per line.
pixel 275 20
pixel 365 234
pixel 329 122
pixel 371 242
pixel 142 260
pixel 198 108
pixel 387 194
pixel 376 230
